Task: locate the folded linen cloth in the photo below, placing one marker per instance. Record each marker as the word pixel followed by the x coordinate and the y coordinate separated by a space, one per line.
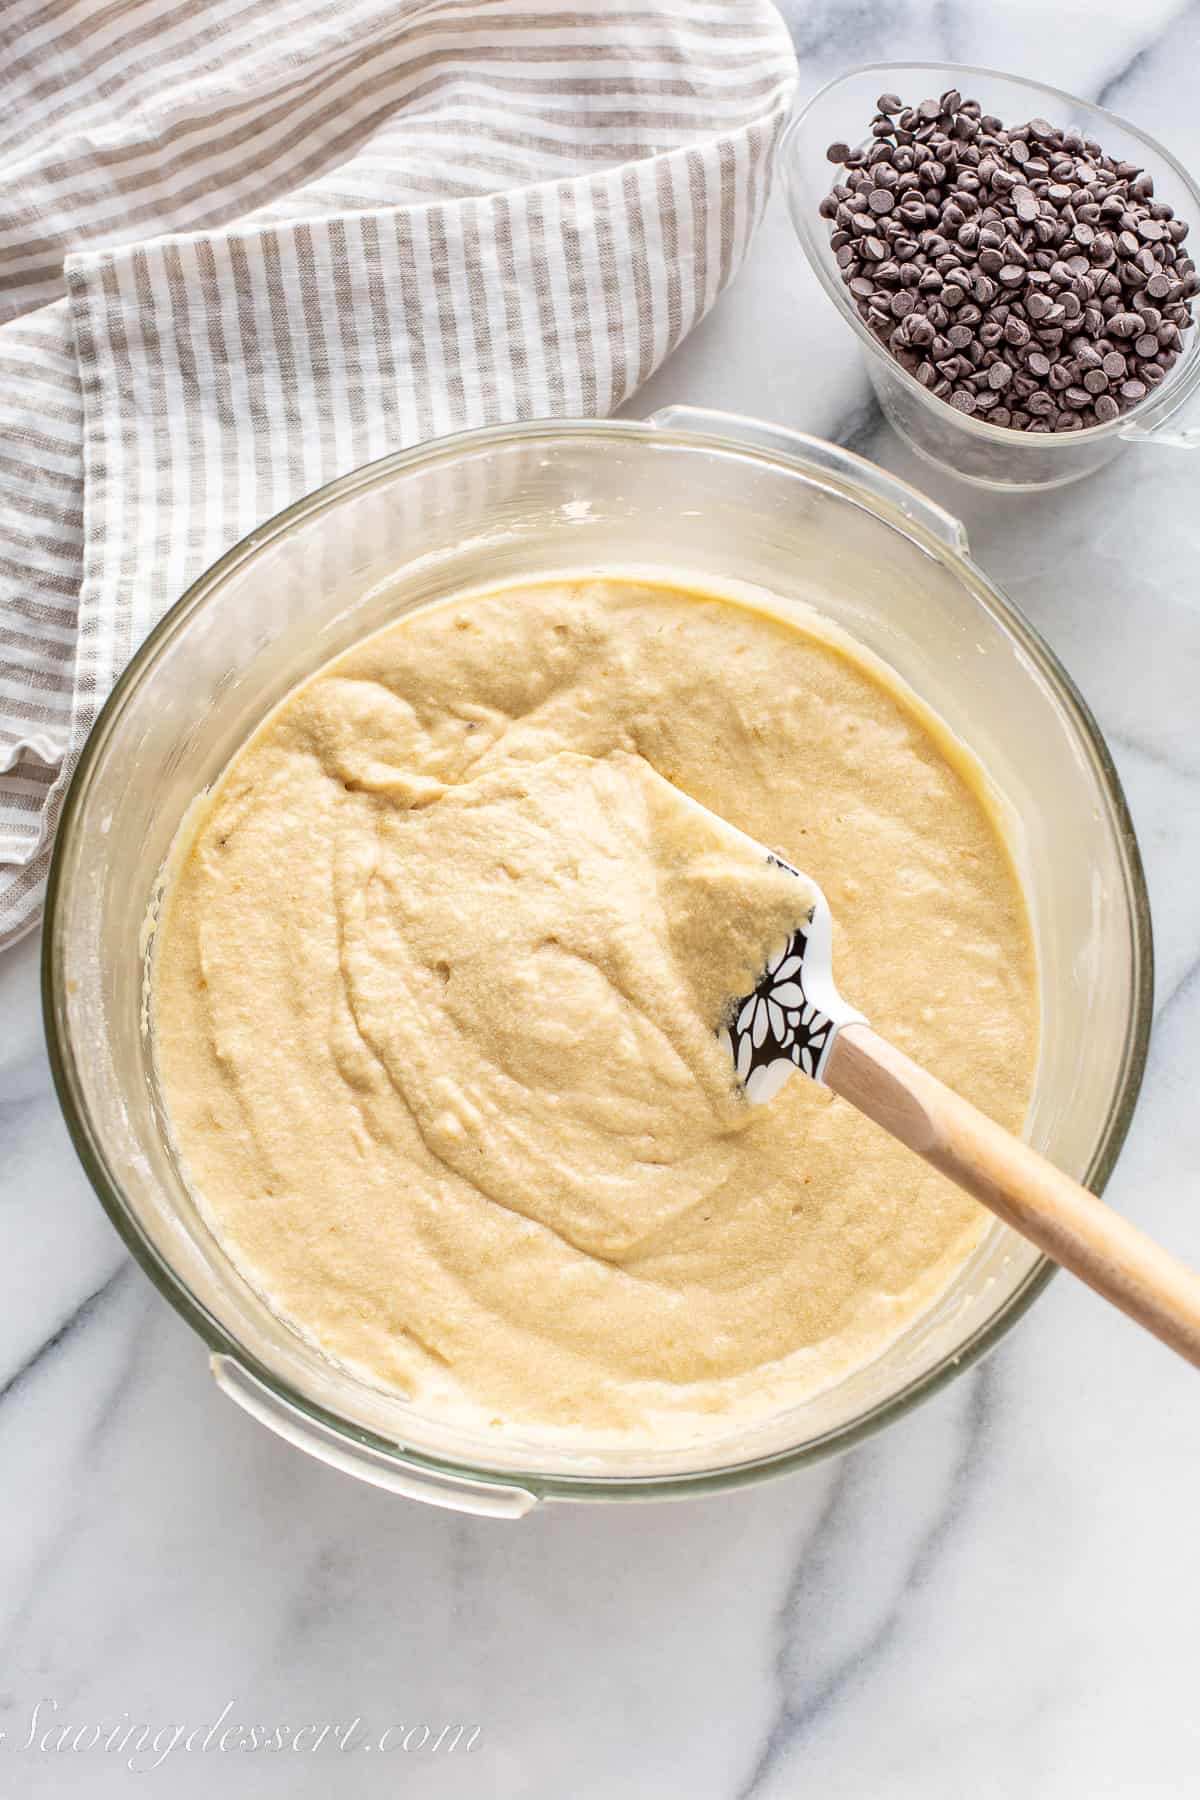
pixel 388 219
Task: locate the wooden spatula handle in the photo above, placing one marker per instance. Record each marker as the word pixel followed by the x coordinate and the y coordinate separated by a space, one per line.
pixel 1071 1225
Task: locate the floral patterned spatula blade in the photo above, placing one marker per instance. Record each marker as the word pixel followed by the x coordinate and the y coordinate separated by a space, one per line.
pixel 791 1019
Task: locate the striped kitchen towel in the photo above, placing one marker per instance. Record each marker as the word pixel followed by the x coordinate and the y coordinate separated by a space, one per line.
pixel 247 245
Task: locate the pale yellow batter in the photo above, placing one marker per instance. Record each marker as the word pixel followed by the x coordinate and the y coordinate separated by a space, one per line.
pixel 436 987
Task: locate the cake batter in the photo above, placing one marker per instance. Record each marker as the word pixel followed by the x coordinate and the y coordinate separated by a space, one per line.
pixel 437 982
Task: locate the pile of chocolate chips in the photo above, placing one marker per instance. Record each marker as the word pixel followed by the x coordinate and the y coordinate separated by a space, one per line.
pixel 1018 272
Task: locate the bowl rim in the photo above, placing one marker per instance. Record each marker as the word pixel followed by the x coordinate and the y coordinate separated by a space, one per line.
pixel 560 1485
pixel 1157 406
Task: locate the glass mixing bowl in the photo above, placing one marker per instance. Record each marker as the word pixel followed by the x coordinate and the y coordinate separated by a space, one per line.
pixel 721 499
pixel 988 456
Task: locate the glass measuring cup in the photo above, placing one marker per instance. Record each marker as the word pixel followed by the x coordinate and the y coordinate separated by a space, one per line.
pixel 985 455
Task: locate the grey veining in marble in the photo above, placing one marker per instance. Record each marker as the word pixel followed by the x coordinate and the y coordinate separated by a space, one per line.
pixel 995 1599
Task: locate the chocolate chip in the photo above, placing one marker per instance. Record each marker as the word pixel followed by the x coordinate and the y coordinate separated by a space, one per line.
pixel 1003 262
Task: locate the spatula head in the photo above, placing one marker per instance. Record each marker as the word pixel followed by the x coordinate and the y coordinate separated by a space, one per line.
pixel 790 1020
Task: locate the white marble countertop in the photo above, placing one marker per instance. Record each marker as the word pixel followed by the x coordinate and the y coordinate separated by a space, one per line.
pixel 993 1599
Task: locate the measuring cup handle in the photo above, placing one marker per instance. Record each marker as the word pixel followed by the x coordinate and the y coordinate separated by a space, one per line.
pixel 1188 438
pixel 1153 422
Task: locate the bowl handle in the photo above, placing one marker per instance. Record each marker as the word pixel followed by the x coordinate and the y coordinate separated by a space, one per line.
pixel 492 1499
pixel 780 440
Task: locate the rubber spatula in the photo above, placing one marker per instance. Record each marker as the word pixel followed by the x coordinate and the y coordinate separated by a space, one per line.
pixel 795 1020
